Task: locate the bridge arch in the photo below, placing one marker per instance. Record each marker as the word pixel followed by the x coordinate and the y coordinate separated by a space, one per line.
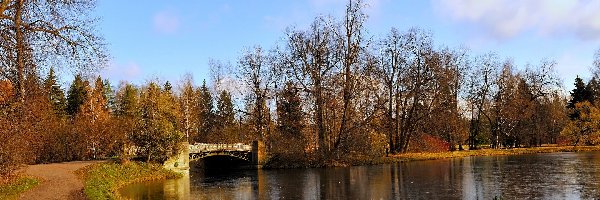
pixel 254 154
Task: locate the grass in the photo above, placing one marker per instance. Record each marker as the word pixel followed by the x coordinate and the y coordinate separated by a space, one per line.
pixel 17 185
pixel 103 180
pixel 487 152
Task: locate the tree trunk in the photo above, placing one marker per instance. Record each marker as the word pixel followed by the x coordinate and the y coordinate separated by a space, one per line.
pixel 20 44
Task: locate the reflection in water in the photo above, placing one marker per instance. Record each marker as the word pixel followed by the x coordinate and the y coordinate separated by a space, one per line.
pixel 542 176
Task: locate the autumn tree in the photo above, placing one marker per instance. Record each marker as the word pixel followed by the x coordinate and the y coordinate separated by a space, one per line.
pixel 290 118
pixel 585 128
pixel 92 121
pixel 188 105
pixel 480 88
pixel 45 33
pixel 157 136
pixel 256 74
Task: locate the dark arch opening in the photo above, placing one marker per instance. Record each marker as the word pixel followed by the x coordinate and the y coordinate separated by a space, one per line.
pixel 219 162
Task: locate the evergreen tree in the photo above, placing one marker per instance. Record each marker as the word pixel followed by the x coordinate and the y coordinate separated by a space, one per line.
pixel 206 113
pixel 289 112
pixel 127 101
pixel 76 95
pixel 578 94
pixel 56 96
pixel 593 88
pixel 225 112
pixel 109 95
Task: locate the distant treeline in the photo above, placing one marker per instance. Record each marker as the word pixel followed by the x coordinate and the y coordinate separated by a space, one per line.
pixel 329 91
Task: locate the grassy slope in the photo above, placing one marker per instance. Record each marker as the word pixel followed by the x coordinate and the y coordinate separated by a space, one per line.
pixel 12 188
pixel 103 180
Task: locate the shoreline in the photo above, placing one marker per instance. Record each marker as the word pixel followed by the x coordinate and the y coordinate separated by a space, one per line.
pixel 406 157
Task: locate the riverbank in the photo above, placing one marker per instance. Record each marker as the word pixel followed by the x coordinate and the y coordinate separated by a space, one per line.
pixel 406 157
pixel 102 181
pixel 485 152
pixel 12 187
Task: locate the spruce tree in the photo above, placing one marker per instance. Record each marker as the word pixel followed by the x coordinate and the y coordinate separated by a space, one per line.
pixel 109 95
pixel 289 112
pixel 206 115
pixel 578 94
pixel 56 96
pixel 225 109
pixel 76 95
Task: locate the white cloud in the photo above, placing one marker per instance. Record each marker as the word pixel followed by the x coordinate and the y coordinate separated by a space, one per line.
pixel 166 22
pixel 508 18
pixel 122 71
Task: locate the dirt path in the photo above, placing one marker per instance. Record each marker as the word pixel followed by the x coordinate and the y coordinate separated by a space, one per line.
pixel 58 181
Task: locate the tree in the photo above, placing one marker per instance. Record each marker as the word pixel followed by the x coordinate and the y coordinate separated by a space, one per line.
pixel 188 102
pixel 109 95
pixel 206 116
pixel 46 32
pixel 56 96
pixel 578 94
pixel 254 72
pixel 480 88
pixel 586 127
pixel 309 54
pixel 92 121
pixel 225 117
pixel 157 136
pixel 290 118
pixel 76 95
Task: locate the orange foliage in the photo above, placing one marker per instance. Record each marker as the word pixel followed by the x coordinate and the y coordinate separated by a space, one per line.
pixel 428 143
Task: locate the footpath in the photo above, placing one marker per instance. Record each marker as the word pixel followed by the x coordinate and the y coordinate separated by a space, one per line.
pixel 57 181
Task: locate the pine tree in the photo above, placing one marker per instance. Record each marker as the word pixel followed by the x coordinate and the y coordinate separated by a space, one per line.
pixel 56 96
pixel 77 94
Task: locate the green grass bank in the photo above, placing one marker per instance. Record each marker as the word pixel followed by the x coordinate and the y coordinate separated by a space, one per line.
pixel 11 189
pixel 103 180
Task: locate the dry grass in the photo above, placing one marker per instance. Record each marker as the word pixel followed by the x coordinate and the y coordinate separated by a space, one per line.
pixel 487 152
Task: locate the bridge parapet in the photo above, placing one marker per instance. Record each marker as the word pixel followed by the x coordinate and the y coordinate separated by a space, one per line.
pixel 205 147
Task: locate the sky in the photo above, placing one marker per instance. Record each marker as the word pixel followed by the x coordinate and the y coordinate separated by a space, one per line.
pixel 167 39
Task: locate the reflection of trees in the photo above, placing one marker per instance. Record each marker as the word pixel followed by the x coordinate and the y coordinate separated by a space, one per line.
pixel 545 176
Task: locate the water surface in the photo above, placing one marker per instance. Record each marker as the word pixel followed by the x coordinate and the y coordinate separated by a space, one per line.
pixel 539 176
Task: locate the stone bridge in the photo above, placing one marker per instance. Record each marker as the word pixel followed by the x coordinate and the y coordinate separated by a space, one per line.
pixel 254 154
pixel 237 150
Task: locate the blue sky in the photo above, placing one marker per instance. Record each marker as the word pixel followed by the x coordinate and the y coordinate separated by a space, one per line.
pixel 166 39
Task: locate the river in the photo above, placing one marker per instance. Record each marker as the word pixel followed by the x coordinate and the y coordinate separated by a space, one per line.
pixel 535 176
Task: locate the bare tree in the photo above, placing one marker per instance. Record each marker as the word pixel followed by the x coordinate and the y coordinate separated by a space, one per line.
pixel 43 32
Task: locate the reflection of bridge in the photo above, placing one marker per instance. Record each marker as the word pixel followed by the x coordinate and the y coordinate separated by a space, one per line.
pixel 254 154
pixel 238 150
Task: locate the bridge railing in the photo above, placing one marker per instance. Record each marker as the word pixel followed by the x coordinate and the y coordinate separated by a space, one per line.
pixel 205 147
